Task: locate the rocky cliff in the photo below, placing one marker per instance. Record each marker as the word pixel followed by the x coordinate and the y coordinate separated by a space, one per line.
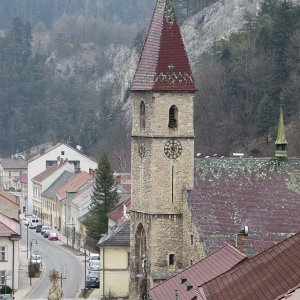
pixel 119 61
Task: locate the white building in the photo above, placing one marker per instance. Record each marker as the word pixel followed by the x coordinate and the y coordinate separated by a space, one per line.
pixel 9 251
pixel 49 157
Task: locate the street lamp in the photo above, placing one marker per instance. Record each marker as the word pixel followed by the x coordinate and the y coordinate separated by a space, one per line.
pixel 27 225
pixel 36 243
pixel 14 238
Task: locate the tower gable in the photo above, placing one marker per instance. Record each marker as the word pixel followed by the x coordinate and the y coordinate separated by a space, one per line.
pixel 164 64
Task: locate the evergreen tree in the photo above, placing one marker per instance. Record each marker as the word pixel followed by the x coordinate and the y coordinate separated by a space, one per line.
pixel 265 116
pixel 104 198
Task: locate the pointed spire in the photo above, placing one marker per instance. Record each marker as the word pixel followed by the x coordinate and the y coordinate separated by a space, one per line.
pixel 281 141
pixel 164 65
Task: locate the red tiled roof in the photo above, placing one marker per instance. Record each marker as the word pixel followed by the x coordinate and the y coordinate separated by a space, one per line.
pixel 75 183
pixel 5 231
pixel 116 213
pixel 12 198
pixel 23 178
pixel 199 273
pixel 163 64
pixel 254 192
pixel 49 171
pixel 127 203
pixel 263 277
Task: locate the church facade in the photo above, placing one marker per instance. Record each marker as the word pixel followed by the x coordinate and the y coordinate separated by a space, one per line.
pixel 183 209
pixel 162 152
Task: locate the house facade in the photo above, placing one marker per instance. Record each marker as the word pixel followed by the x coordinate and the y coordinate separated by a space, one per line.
pixel 49 157
pixel 11 169
pixel 50 202
pixel 42 181
pixel 9 251
pixel 115 262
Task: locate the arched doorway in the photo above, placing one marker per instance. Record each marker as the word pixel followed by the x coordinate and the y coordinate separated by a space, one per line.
pixel 141 262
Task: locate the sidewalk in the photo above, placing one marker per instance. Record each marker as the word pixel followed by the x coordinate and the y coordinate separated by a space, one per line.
pixel 24 281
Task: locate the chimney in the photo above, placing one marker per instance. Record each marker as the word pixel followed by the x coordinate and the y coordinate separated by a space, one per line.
pixel 240 239
pixel 57 160
pixel 61 161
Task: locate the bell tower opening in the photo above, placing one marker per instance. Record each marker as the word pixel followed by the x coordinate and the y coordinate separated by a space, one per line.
pixel 173 117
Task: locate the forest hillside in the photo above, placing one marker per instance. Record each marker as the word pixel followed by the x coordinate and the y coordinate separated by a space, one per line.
pixel 66 70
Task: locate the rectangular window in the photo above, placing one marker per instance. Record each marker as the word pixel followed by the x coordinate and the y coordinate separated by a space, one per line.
pixel 62 152
pixel 2 253
pixel 171 259
pixel 192 239
pixel 2 277
pixel 9 174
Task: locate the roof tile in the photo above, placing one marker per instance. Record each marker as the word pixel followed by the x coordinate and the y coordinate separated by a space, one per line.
pixel 164 64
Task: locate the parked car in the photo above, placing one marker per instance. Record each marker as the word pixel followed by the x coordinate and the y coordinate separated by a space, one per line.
pixel 33 223
pixel 36 258
pixel 94 265
pixel 38 228
pixel 92 281
pixel 44 228
pixel 53 236
pixel 46 233
pixel 94 257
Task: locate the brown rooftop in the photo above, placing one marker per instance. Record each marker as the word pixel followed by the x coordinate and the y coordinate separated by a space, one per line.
pixel 259 193
pixel 263 277
pixel 199 273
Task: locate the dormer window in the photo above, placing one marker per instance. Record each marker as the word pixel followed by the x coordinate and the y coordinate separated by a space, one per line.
pixel 142 116
pixel 173 117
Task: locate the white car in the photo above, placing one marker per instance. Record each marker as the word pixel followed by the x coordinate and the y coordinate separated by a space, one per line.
pixel 94 257
pixel 33 223
pixel 36 258
pixel 94 266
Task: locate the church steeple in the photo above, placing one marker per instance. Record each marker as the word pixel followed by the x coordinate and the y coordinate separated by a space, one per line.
pixel 281 141
pixel 164 65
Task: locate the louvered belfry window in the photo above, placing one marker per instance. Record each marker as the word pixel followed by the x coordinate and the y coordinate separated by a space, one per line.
pixel 173 115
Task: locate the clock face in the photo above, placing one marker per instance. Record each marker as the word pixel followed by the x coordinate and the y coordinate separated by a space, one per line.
pixel 173 149
pixel 142 149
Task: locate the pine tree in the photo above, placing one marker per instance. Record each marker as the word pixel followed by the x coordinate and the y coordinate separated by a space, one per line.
pixel 265 116
pixel 104 198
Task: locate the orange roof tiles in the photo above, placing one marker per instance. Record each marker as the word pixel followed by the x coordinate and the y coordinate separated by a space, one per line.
pixel 75 183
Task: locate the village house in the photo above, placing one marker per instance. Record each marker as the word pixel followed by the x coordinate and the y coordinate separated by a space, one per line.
pixel 42 181
pixel 10 170
pixel 48 157
pixel 50 203
pixel 10 234
pixel 64 196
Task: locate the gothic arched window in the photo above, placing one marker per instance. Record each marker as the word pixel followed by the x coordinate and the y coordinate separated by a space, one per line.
pixel 142 116
pixel 173 117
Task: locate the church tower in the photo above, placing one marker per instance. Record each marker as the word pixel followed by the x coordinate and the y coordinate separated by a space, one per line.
pixel 162 152
pixel 281 141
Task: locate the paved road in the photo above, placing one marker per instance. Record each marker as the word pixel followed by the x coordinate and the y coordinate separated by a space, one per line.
pixel 55 256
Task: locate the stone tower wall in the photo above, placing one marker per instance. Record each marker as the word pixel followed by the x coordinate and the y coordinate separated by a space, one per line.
pixel 158 181
pixel 163 237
